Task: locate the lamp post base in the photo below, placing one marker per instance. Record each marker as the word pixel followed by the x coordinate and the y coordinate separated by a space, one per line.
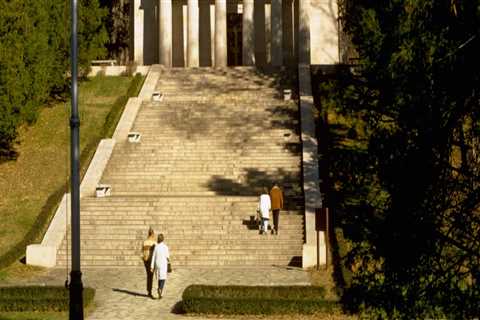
pixel 76 296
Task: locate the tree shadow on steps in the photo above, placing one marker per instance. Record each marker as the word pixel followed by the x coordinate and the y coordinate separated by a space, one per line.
pixel 253 180
pixel 133 293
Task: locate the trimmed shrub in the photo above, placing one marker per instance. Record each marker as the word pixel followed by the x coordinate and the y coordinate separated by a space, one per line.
pixel 241 300
pixel 36 298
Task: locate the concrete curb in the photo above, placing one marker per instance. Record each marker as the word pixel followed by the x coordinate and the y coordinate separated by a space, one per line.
pixel 45 254
pixel 126 121
pixel 149 85
pixel 117 70
pixel 311 179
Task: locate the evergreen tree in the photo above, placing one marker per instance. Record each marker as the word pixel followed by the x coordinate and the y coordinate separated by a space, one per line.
pixel 34 56
pixel 416 222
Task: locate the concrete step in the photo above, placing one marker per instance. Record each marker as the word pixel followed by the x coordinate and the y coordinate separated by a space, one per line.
pixel 186 177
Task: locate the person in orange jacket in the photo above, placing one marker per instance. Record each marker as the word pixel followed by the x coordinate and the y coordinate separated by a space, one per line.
pixel 276 197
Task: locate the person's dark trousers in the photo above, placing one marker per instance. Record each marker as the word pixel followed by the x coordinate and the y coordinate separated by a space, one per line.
pixel 276 217
pixel 149 276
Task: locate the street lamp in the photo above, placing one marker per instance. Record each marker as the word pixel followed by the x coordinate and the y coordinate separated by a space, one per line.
pixel 76 286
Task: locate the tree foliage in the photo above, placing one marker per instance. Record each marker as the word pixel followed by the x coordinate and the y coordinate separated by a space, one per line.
pixel 34 53
pixel 411 208
pixel 118 25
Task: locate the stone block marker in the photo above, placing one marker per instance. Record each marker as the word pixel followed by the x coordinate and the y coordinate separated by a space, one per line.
pixel 40 255
pixel 134 137
pixel 103 190
pixel 157 96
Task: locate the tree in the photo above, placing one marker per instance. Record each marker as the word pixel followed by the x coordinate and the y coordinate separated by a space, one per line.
pixel 34 57
pixel 416 222
pixel 118 25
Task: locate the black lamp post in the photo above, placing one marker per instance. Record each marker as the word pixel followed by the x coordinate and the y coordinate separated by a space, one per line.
pixel 76 286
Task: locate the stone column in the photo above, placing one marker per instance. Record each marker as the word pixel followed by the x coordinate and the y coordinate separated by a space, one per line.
pixel 268 33
pixel 304 31
pixel 221 33
pixel 193 35
pixel 205 44
pixel 288 32
pixel 248 34
pixel 260 33
pixel 277 26
pixel 165 39
pixel 137 32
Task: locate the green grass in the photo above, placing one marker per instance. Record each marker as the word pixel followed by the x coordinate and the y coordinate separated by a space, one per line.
pixel 32 185
pixel 33 315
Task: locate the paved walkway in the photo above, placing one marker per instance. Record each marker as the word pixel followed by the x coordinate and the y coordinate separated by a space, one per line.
pixel 121 292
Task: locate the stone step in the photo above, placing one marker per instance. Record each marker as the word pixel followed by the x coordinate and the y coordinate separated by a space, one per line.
pixel 193 219
pixel 212 261
pixel 103 240
pixel 188 254
pixel 174 199
pixel 217 132
pixel 190 250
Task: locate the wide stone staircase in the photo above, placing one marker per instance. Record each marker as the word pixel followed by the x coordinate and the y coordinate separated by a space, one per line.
pixel 206 151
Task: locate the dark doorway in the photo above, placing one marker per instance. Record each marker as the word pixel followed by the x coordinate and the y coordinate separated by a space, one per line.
pixel 234 39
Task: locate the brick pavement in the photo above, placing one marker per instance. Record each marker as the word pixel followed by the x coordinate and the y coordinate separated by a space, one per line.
pixel 121 292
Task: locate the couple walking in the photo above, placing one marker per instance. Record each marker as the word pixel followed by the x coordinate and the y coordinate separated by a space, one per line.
pixel 270 201
pixel 156 260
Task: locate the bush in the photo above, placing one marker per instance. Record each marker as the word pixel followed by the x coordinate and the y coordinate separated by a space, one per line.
pixel 38 298
pixel 242 300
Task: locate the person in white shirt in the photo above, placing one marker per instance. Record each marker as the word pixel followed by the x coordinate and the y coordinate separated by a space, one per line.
pixel 160 263
pixel 264 206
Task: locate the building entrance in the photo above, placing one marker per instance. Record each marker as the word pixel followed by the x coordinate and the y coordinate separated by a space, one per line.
pixel 234 39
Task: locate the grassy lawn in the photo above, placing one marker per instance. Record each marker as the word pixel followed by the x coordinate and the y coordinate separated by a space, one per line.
pixel 42 165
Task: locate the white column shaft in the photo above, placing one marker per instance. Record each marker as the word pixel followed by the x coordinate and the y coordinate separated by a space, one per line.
pixel 277 26
pixel 138 21
pixel 248 34
pixel 193 34
pixel 165 41
pixel 220 33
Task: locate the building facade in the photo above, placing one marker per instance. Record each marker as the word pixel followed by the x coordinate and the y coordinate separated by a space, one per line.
pixel 202 33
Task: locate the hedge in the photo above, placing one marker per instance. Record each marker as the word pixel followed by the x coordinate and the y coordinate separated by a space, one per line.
pixel 255 300
pixel 39 298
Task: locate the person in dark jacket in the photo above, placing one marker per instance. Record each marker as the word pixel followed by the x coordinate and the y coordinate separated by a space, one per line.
pixel 147 252
pixel 276 196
